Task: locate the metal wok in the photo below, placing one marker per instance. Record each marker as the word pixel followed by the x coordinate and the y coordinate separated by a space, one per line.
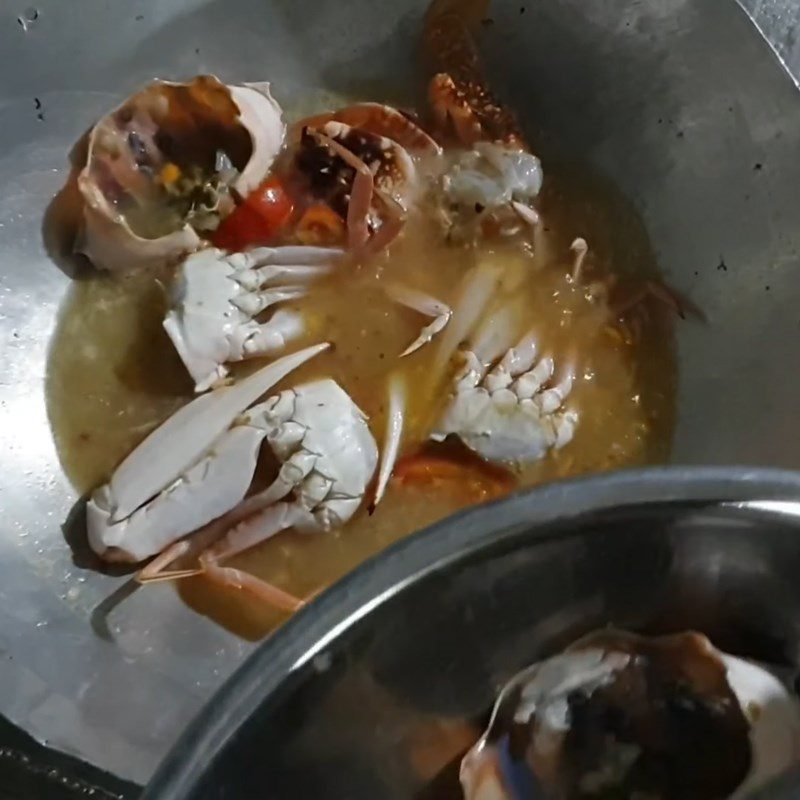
pixel 681 102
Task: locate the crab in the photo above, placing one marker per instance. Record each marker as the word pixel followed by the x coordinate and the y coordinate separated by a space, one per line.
pixel 192 475
pixel 491 188
pixel 505 406
pixel 216 297
pixel 627 715
pixel 492 185
pixel 503 403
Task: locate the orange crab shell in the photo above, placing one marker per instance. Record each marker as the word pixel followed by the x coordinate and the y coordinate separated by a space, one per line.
pixel 459 92
pixel 473 111
pixel 378 119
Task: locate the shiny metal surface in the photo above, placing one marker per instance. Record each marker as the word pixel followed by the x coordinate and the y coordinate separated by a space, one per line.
pixel 353 698
pixel 679 100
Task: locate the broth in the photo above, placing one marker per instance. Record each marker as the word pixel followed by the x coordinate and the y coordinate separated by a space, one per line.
pixel 113 375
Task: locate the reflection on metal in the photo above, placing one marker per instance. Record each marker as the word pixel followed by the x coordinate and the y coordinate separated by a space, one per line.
pixel 616 81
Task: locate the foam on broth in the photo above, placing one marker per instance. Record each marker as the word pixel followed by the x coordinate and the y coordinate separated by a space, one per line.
pixel 113 375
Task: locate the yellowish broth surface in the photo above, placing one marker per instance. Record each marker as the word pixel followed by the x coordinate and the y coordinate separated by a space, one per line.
pixel 114 376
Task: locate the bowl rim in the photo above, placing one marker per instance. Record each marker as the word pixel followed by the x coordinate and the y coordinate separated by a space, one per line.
pixel 390 571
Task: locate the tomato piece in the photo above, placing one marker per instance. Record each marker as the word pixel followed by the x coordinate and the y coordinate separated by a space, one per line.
pixel 320 225
pixel 271 202
pixel 240 229
pixel 256 220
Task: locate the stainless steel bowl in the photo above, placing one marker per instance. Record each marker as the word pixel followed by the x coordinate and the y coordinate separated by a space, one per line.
pixel 677 100
pixel 348 697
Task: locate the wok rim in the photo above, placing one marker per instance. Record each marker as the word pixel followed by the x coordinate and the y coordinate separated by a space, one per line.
pixel 526 513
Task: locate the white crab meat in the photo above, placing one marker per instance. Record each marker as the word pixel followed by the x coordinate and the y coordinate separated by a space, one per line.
pixel 493 175
pixel 217 296
pixel 165 166
pixel 754 738
pixel 193 468
pixel 491 180
pixel 508 409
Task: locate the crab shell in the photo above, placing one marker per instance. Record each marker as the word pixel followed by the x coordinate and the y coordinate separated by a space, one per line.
pixel 538 698
pixel 378 119
pixel 106 236
pixel 392 166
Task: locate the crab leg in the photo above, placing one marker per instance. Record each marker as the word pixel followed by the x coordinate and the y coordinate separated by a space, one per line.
pixel 511 412
pixel 286 255
pixel 476 291
pixel 516 373
pixel 156 570
pixel 529 383
pixel 526 213
pixel 271 336
pixel 525 384
pixel 552 399
pixel 273 273
pixel 390 227
pixel 424 304
pixel 394 432
pixel 580 248
pixel 491 339
pixel 360 193
pixel 216 296
pixel 231 578
pixel 250 532
pixel 645 290
pixel 193 545
pixel 516 361
pixel 255 303
pixel 328 458
pixel 266 266
pixel 253 520
pixel 493 336
pixel 253 530
pixel 292 472
pixel 228 577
